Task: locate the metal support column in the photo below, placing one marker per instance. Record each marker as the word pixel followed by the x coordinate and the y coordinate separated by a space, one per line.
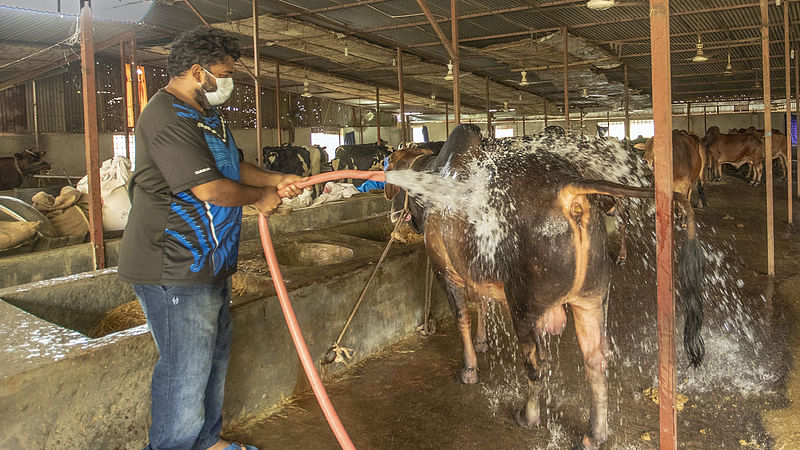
pixel 662 147
pixel 705 120
pixel 488 112
pixel 788 83
pixel 278 104
pixel 545 113
pixel 36 119
pixel 566 80
pixel 134 82
pixel 378 113
pixel 627 106
pixel 689 117
pixel 446 121
pixel 89 93
pixel 257 86
pixel 402 94
pixel 456 63
pixel 523 125
pixel 125 88
pixel 768 136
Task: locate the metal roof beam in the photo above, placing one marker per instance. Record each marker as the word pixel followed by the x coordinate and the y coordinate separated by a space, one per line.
pixel 444 40
pixel 35 73
pixel 332 8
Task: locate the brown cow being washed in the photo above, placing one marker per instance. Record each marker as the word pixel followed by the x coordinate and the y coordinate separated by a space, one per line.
pixel 734 149
pixel 688 163
pixel 548 250
pixel 13 169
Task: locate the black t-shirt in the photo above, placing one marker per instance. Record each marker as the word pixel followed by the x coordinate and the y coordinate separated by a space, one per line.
pixel 173 238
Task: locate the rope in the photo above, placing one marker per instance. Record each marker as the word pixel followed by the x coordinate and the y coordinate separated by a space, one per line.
pixel 336 353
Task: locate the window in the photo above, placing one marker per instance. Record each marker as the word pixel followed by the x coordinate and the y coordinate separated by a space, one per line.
pixel 119 147
pixel 417 135
pixel 644 128
pixel 503 132
pixel 329 141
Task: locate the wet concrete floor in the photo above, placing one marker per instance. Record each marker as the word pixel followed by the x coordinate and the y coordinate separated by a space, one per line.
pixel 741 397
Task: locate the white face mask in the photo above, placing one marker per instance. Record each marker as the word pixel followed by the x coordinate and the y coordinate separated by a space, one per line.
pixel 223 92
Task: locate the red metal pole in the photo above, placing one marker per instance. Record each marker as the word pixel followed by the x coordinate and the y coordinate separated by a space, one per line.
pixel 662 115
pixel 788 78
pixel 456 63
pixel 92 145
pixel 402 94
pixel 566 81
pixel 134 82
pixel 768 136
pixel 257 85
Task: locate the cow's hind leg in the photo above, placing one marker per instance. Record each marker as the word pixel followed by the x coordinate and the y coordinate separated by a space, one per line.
pixel 590 329
pixel 519 297
pixel 457 297
pixel 701 193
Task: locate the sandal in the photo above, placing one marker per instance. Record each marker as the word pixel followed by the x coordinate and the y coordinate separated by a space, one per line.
pixel 238 446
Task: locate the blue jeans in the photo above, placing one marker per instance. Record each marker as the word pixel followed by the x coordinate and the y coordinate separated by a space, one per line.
pixel 192 329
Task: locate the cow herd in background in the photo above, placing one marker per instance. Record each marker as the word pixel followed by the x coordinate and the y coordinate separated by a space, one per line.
pixel 696 159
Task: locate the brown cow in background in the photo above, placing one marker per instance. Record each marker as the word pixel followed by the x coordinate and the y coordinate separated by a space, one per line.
pixel 778 149
pixel 688 163
pixel 735 149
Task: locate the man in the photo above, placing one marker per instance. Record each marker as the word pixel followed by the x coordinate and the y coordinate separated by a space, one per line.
pixel 181 243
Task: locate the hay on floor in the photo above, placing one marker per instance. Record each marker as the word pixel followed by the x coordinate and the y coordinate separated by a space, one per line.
pixel 127 315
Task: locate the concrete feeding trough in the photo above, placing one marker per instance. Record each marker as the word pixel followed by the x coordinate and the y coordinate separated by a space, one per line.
pixel 61 388
pixel 312 254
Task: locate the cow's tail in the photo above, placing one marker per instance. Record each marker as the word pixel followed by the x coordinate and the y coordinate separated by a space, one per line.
pixel 691 270
pixel 691 262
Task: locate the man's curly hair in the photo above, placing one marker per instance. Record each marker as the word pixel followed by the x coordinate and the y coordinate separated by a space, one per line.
pixel 204 46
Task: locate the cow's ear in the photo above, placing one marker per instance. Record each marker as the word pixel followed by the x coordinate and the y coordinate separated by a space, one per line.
pixel 390 190
pixel 639 146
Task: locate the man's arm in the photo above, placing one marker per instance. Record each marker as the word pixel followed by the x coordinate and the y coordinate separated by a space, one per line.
pixel 253 176
pixel 226 192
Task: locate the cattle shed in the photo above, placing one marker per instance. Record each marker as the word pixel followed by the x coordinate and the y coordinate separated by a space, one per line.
pixel 708 89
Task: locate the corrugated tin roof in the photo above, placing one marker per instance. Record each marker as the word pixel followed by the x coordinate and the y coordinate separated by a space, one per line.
pixel 623 31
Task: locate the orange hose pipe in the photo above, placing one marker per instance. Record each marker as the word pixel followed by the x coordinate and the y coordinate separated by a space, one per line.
pixel 374 175
pixel 288 311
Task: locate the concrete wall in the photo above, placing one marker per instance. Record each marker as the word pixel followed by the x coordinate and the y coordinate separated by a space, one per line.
pixel 13 143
